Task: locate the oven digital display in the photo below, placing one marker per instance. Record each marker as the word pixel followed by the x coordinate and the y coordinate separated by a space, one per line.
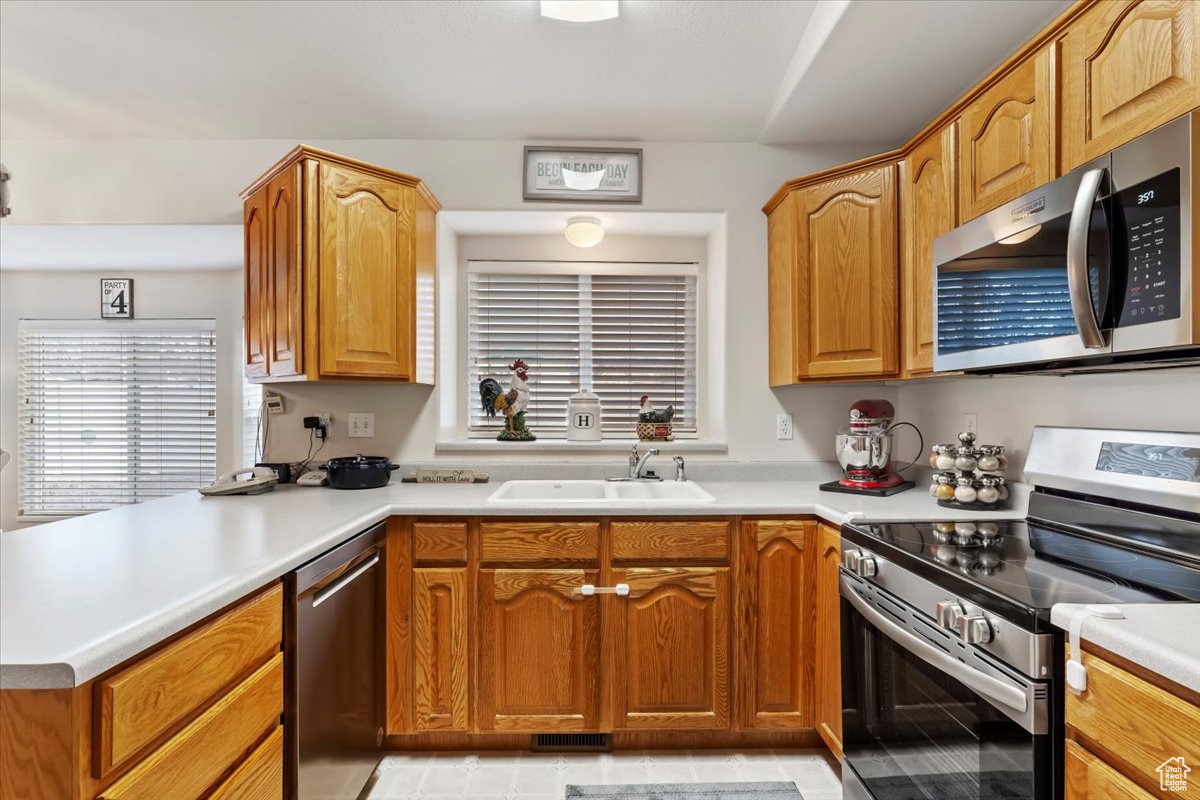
pixel 1151 211
pixel 1150 461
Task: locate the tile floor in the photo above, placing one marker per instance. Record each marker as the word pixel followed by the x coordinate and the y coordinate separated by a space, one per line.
pixel 544 776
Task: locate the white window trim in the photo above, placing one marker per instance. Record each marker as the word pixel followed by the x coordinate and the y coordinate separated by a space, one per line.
pixel 452 346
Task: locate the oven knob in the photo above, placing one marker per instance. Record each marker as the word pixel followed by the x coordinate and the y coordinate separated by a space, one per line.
pixel 865 567
pixel 852 559
pixel 948 613
pixel 974 629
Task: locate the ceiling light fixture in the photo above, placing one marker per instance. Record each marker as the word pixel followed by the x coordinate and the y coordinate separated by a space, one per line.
pixel 1022 236
pixel 584 231
pixel 580 10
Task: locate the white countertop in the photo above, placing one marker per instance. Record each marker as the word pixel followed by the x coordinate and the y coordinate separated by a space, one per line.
pixel 1162 637
pixel 80 596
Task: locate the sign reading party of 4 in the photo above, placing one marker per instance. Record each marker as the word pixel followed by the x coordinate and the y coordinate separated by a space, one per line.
pixel 116 298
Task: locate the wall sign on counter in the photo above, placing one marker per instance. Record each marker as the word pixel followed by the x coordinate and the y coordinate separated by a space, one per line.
pixel 584 174
pixel 116 298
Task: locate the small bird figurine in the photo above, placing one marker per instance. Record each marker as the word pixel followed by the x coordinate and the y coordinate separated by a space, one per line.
pixel 511 403
pixel 647 413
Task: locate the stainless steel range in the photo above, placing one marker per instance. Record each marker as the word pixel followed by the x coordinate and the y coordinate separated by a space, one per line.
pixel 952 675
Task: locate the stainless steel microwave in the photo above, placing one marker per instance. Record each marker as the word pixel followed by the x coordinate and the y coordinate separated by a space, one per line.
pixel 1093 271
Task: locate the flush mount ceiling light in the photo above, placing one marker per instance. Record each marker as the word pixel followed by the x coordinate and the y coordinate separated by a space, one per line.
pixel 579 10
pixel 1023 236
pixel 584 231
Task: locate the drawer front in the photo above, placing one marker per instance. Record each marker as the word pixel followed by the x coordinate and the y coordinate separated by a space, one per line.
pixel 1131 723
pixel 671 541
pixel 1089 778
pixel 440 542
pixel 137 705
pixel 533 542
pixel 260 776
pixel 188 765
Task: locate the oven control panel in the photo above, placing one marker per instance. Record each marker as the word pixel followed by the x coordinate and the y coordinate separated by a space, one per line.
pixel 1152 235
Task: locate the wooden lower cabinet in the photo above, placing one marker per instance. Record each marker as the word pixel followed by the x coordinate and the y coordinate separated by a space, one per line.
pixel 441 658
pixel 671 667
pixel 539 651
pixel 827 650
pixel 778 679
pixel 1089 778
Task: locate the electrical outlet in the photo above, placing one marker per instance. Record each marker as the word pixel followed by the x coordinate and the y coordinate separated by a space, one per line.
pixel 783 426
pixel 326 418
pixel 360 426
pixel 971 423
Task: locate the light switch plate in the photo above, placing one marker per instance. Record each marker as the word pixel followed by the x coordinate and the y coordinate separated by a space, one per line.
pixel 362 426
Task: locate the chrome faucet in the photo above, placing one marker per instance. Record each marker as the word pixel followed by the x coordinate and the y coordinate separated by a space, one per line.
pixel 680 470
pixel 637 463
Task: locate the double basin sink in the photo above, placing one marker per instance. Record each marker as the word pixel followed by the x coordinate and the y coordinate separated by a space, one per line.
pixel 595 492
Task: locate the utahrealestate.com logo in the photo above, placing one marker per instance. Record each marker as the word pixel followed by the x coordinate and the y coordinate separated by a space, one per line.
pixel 1172 775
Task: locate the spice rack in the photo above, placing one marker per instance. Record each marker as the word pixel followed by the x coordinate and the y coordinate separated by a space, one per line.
pixel 968 476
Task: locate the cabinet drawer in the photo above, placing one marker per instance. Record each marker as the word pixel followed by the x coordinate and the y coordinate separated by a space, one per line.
pixel 260 776
pixel 1089 778
pixel 530 542
pixel 670 541
pixel 141 703
pixel 440 542
pixel 190 763
pixel 1132 723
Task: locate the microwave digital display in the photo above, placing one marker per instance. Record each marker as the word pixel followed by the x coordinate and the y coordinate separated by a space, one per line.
pixel 1151 228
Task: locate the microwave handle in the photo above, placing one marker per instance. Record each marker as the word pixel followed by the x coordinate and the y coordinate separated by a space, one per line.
pixel 1077 258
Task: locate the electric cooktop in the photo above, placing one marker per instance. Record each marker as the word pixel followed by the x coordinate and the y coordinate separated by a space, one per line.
pixel 1021 569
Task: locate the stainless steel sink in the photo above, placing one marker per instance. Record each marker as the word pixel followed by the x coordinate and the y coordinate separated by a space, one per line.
pixel 600 492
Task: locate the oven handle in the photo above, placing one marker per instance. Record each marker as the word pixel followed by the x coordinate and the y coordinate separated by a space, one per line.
pixel 993 689
pixel 1077 256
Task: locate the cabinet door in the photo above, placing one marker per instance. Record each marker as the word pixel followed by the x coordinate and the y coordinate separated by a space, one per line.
pixel 539 654
pixel 929 200
pixel 366 275
pixel 828 649
pixel 284 298
pixel 781 292
pixel 847 276
pixel 671 658
pixel 779 690
pixel 1006 138
pixel 1089 778
pixel 1128 67
pixel 440 655
pixel 254 234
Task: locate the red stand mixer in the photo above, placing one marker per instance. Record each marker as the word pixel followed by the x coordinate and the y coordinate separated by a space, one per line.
pixel 864 450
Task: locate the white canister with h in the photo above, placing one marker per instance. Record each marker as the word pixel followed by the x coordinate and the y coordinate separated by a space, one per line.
pixel 583 417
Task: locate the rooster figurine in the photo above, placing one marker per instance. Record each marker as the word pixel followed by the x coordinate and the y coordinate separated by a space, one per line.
pixel 511 403
pixel 647 412
pixel 654 425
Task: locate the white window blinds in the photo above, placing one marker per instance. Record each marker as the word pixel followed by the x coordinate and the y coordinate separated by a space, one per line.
pixel 114 414
pixel 619 330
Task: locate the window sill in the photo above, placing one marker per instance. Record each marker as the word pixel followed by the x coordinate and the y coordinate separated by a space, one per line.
pixel 564 446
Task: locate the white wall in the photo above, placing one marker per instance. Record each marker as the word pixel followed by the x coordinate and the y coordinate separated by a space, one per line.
pixel 1009 406
pixel 198 181
pixel 159 295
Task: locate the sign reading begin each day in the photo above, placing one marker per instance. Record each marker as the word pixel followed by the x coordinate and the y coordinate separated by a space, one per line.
pixel 583 174
pixel 116 298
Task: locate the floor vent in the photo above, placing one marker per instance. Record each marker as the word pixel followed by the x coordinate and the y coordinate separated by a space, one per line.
pixel 572 742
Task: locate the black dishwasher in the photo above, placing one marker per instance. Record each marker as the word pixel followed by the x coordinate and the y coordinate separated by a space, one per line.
pixel 334 680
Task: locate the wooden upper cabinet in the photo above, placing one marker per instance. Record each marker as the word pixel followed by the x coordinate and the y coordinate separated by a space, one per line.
pixel 339 272
pixel 846 276
pixel 827 646
pixel 929 202
pixel 539 652
pixel 1127 67
pixel 671 667
pixel 254 227
pixel 778 680
pixel 1006 138
pixel 284 312
pixel 783 355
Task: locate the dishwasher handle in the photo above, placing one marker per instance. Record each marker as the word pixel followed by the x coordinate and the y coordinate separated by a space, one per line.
pixel 344 581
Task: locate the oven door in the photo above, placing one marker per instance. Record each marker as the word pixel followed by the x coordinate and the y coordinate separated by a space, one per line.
pixel 1030 281
pixel 926 716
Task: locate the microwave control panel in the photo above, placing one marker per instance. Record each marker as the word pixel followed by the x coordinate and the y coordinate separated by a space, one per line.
pixel 1151 212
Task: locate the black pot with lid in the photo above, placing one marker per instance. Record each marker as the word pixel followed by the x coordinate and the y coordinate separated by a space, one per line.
pixel 359 471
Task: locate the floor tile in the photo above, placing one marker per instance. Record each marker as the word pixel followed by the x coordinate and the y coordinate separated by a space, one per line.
pixel 490 780
pixel 715 771
pixel 441 780
pixel 398 782
pixel 536 779
pixel 672 773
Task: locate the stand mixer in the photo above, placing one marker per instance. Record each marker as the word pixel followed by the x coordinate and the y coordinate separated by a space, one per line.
pixel 864 451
